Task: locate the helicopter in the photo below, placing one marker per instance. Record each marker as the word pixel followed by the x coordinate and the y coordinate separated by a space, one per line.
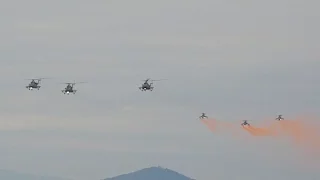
pixel 279 118
pixel 203 116
pixel 69 89
pixel 148 86
pixel 245 123
pixel 34 84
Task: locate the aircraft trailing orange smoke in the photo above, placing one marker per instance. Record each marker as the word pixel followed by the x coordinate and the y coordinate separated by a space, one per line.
pixel 305 134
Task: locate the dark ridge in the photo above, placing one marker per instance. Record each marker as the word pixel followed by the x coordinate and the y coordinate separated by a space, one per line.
pixel 152 173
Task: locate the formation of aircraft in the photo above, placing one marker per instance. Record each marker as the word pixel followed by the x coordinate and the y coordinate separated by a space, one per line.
pixel 69 89
pixel 244 123
pixel 146 86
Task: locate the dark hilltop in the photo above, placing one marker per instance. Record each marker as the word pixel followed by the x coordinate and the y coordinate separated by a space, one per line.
pixel 152 173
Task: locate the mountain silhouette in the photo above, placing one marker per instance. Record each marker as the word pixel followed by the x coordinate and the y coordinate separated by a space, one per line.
pixel 152 173
pixel 11 175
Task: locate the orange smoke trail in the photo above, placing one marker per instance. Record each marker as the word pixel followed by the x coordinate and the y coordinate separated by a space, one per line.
pixel 302 133
pixel 211 124
pixel 250 130
pixel 219 126
pixel 259 131
pixel 215 125
pixel 299 131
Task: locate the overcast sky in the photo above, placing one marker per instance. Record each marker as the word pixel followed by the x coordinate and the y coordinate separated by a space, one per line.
pixel 231 59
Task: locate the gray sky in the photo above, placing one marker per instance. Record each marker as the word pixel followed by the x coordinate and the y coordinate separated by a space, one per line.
pixel 232 59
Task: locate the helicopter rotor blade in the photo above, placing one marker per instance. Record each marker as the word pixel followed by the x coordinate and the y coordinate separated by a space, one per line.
pixel 149 79
pixel 73 83
pixel 79 83
pixel 39 79
pixel 158 79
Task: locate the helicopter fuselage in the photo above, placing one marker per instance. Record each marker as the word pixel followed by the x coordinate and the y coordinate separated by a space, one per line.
pixel 69 89
pixel 203 116
pixel 145 87
pixel 33 85
pixel 279 118
pixel 245 123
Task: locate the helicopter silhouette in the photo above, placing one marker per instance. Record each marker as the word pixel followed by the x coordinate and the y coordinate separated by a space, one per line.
pixel 279 118
pixel 34 84
pixel 70 88
pixel 203 116
pixel 146 86
pixel 245 123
